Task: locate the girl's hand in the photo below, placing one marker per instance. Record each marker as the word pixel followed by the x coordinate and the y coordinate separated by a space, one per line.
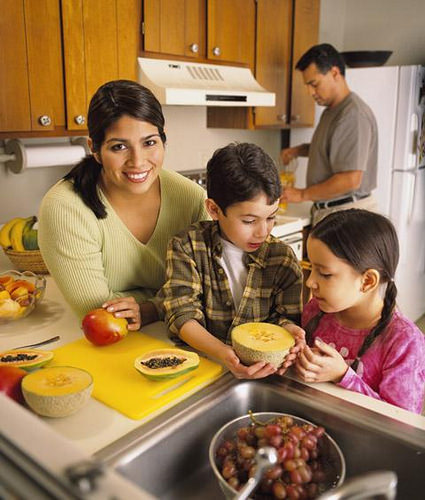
pixel 323 363
pixel 233 363
pixel 125 307
pixel 299 336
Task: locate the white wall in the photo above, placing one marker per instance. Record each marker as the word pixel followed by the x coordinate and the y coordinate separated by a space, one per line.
pixel 190 143
pixel 397 25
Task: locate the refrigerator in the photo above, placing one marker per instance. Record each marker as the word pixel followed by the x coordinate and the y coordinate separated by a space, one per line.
pixel 396 95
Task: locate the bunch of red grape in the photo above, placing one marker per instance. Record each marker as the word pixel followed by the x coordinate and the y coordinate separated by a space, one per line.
pixel 300 471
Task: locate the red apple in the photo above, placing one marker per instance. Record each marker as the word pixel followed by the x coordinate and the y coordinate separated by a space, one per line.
pixel 102 327
pixel 10 382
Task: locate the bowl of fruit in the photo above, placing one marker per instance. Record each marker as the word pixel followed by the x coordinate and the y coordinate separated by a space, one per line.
pixel 20 292
pixel 309 461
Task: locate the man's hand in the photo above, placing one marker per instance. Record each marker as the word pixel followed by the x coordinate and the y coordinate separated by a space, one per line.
pixel 322 363
pixel 288 154
pixel 292 195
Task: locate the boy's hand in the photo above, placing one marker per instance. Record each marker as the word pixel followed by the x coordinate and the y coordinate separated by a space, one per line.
pixel 323 363
pixel 125 307
pixel 233 363
pixel 299 336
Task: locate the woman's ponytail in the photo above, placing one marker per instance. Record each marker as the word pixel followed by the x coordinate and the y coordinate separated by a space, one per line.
pixel 85 177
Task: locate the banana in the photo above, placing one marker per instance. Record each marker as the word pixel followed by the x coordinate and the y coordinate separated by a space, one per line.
pixel 5 232
pixel 29 235
pixel 17 230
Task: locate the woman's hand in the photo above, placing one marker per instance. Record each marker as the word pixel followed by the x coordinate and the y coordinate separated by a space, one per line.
pixel 233 363
pixel 322 363
pixel 299 336
pixel 125 307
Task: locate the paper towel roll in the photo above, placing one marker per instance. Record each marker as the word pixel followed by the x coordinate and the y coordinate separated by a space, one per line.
pixel 42 155
pixel 48 156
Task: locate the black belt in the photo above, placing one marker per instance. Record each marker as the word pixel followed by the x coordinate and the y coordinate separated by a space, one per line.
pixel 340 201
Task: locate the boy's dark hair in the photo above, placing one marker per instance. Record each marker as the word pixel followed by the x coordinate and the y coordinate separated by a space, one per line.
pixel 324 56
pixel 365 240
pixel 239 172
pixel 112 101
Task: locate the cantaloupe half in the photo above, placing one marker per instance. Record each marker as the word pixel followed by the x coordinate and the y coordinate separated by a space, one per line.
pixel 57 391
pixel 255 342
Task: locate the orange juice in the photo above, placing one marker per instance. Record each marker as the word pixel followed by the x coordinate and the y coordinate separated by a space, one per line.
pixel 287 179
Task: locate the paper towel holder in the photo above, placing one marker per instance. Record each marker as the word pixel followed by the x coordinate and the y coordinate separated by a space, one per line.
pixel 16 156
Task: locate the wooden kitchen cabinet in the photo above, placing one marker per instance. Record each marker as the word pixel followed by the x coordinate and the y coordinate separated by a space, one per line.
pixel 31 79
pixel 306 34
pixel 100 43
pixel 202 30
pixel 231 31
pixel 285 29
pixel 174 27
pixel 56 53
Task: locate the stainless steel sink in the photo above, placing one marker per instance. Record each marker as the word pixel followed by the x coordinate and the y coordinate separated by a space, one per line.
pixel 168 457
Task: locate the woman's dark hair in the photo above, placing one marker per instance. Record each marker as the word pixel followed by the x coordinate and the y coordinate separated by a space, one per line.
pixel 110 102
pixel 324 56
pixel 365 240
pixel 239 172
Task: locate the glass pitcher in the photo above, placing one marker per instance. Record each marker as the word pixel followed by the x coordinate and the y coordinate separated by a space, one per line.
pixel 287 178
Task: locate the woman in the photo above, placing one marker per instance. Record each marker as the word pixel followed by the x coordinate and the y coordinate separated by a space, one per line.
pixel 104 228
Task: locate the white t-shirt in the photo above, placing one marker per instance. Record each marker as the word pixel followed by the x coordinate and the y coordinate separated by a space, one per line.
pixel 237 272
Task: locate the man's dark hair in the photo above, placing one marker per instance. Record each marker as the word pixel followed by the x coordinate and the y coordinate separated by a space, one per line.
pixel 324 56
pixel 239 172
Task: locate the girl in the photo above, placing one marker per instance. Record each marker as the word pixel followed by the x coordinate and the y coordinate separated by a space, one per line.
pixel 360 341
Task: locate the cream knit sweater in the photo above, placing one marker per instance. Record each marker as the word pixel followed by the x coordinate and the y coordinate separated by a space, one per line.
pixel 93 260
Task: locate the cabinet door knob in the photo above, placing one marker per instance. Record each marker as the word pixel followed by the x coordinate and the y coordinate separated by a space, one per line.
pixel 45 120
pixel 217 51
pixel 80 120
pixel 194 47
pixel 295 118
pixel 281 118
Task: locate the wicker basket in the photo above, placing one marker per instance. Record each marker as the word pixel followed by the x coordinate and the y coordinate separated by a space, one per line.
pixel 30 260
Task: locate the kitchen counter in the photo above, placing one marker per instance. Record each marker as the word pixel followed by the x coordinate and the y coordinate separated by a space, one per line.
pixel 96 425
pixel 300 210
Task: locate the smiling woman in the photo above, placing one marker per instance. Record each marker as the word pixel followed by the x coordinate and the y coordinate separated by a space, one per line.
pixel 104 228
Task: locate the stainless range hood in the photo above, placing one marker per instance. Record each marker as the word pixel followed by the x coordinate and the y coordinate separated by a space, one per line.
pixel 197 84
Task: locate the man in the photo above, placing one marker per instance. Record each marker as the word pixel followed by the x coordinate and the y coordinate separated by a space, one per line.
pixel 342 165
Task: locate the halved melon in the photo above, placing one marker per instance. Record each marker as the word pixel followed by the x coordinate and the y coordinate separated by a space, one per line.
pixel 57 391
pixel 166 363
pixel 255 342
pixel 28 359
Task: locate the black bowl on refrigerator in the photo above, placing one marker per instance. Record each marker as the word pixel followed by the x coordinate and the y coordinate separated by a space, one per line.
pixel 366 58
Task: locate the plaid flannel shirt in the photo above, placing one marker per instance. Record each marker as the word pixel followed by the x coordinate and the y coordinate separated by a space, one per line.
pixel 197 287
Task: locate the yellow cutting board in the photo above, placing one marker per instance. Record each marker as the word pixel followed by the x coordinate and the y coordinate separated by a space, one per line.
pixel 119 385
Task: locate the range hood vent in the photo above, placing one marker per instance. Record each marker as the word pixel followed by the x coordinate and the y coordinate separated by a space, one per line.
pixel 197 84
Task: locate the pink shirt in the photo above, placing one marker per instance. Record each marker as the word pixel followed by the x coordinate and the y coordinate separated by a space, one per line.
pixel 392 369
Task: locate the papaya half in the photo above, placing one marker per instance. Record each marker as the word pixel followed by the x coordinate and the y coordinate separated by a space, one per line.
pixel 166 363
pixel 27 359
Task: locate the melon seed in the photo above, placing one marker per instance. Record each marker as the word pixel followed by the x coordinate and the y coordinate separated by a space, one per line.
pixel 155 363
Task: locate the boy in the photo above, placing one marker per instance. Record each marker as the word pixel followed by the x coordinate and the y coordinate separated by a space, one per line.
pixel 230 270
